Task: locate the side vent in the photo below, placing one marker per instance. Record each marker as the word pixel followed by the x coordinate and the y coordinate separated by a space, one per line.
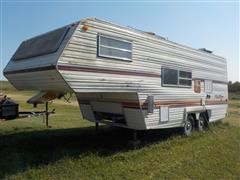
pixel 150 100
pixel 164 113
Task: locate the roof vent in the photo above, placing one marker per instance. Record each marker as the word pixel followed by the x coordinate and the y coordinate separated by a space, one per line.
pixel 205 50
pixel 151 33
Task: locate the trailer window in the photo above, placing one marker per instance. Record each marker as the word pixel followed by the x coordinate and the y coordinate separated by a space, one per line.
pixel 170 77
pixel 185 78
pixel 176 78
pixel 41 45
pixel 185 74
pixel 114 48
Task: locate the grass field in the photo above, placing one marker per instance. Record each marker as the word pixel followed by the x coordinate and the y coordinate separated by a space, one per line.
pixel 71 149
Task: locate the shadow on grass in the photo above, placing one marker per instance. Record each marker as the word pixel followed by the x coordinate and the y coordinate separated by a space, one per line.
pixel 31 149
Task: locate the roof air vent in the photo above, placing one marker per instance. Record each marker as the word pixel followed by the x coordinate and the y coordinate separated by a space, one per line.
pixel 205 50
pixel 151 33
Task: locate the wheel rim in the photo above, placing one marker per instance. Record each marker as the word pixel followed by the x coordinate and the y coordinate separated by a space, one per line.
pixel 201 123
pixel 188 127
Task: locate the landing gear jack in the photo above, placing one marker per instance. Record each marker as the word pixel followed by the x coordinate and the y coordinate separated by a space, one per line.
pixel 134 143
pixel 96 126
pixel 47 114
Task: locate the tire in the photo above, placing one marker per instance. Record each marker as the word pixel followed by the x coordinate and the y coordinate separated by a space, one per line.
pixel 201 122
pixel 10 117
pixel 188 126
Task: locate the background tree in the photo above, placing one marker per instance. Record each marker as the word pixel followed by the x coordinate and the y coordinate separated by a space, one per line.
pixel 234 87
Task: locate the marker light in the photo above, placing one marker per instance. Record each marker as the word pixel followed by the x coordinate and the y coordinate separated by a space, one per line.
pixel 85 27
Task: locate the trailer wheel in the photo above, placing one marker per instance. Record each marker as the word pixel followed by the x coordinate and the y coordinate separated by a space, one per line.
pixel 10 117
pixel 201 123
pixel 188 126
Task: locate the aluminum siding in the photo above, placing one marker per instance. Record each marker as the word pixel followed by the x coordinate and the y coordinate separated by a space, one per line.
pixel 30 79
pixel 49 80
pixel 149 55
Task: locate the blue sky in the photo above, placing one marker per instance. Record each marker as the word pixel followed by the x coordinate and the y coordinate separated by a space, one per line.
pixel 213 25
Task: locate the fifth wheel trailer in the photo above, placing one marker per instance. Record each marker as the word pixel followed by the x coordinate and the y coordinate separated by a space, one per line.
pixel 123 76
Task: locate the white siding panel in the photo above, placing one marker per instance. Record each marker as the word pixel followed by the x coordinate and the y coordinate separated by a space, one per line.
pixel 134 118
pixel 152 119
pixel 107 107
pixel 149 54
pixel 176 114
pixel 217 112
pixel 39 80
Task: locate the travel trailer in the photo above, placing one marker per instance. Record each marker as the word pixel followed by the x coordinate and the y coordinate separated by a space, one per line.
pixel 123 77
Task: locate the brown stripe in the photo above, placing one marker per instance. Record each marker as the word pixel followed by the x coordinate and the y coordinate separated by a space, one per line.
pixel 175 103
pixel 127 105
pixel 107 71
pixel 196 104
pixel 95 70
pixel 45 68
pixel 170 104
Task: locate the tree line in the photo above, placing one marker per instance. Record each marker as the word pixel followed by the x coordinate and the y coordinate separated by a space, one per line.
pixel 234 87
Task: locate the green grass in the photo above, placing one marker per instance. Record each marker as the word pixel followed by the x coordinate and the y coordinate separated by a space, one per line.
pixel 234 96
pixel 71 149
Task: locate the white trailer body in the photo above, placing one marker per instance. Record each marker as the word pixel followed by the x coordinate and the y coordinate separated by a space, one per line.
pixel 122 76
